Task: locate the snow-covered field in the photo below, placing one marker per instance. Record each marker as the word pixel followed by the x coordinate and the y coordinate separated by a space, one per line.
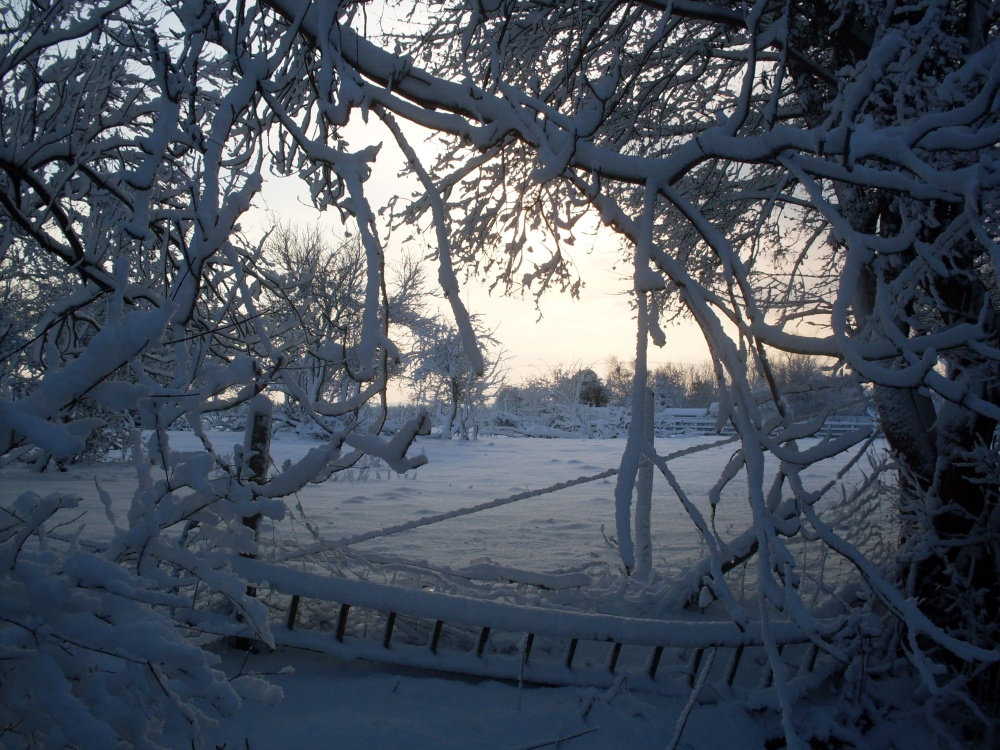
pixel 330 703
pixel 562 530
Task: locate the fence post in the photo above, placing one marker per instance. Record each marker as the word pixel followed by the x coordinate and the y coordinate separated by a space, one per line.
pixel 257 455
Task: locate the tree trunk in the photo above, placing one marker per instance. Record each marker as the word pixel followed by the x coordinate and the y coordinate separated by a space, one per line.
pixel 644 501
pixel 948 481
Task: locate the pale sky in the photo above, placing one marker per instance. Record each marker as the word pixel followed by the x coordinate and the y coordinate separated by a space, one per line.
pixel 583 332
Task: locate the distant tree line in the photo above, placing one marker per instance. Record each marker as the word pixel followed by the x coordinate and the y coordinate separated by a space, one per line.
pixel 804 384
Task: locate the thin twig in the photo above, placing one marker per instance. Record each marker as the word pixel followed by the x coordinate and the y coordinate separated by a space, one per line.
pixel 560 739
pixel 695 692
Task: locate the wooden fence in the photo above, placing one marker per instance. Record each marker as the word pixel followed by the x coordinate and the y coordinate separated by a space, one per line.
pixel 424 629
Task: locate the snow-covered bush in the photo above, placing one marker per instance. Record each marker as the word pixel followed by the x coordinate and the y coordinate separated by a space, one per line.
pixel 106 647
pixel 562 402
pixel 109 643
pixel 133 145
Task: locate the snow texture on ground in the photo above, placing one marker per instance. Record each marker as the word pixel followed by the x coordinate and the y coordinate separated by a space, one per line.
pixel 332 703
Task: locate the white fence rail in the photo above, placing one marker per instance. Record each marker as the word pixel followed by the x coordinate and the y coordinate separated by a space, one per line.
pixel 483 638
pixel 612 422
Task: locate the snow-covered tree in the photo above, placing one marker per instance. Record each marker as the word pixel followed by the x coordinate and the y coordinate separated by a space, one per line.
pixel 133 138
pixel 442 377
pixel 813 178
pixel 619 380
pixel 316 295
pixel 561 401
pixel 315 306
pixel 816 180
pixel 592 389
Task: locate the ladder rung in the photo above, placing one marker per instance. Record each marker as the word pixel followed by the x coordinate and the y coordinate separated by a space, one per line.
pixel 484 635
pixel 695 664
pixel 389 625
pixel 528 643
pixel 293 611
pixel 571 653
pixel 342 621
pixel 654 661
pixel 734 664
pixel 613 661
pixel 436 636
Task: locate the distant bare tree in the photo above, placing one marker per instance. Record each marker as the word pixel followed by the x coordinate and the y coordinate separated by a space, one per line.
pixel 441 374
pixel 315 307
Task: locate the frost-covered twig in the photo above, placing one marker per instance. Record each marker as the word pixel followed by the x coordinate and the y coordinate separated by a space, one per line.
pixel 559 740
pixel 692 700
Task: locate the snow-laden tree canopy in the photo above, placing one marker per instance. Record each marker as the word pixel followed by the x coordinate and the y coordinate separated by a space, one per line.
pixel 814 178
pixel 819 180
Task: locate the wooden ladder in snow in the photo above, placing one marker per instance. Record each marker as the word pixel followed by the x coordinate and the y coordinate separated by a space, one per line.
pixel 533 645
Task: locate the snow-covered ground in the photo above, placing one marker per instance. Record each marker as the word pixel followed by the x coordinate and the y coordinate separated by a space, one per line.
pixel 331 703
pixel 561 530
pixel 359 706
